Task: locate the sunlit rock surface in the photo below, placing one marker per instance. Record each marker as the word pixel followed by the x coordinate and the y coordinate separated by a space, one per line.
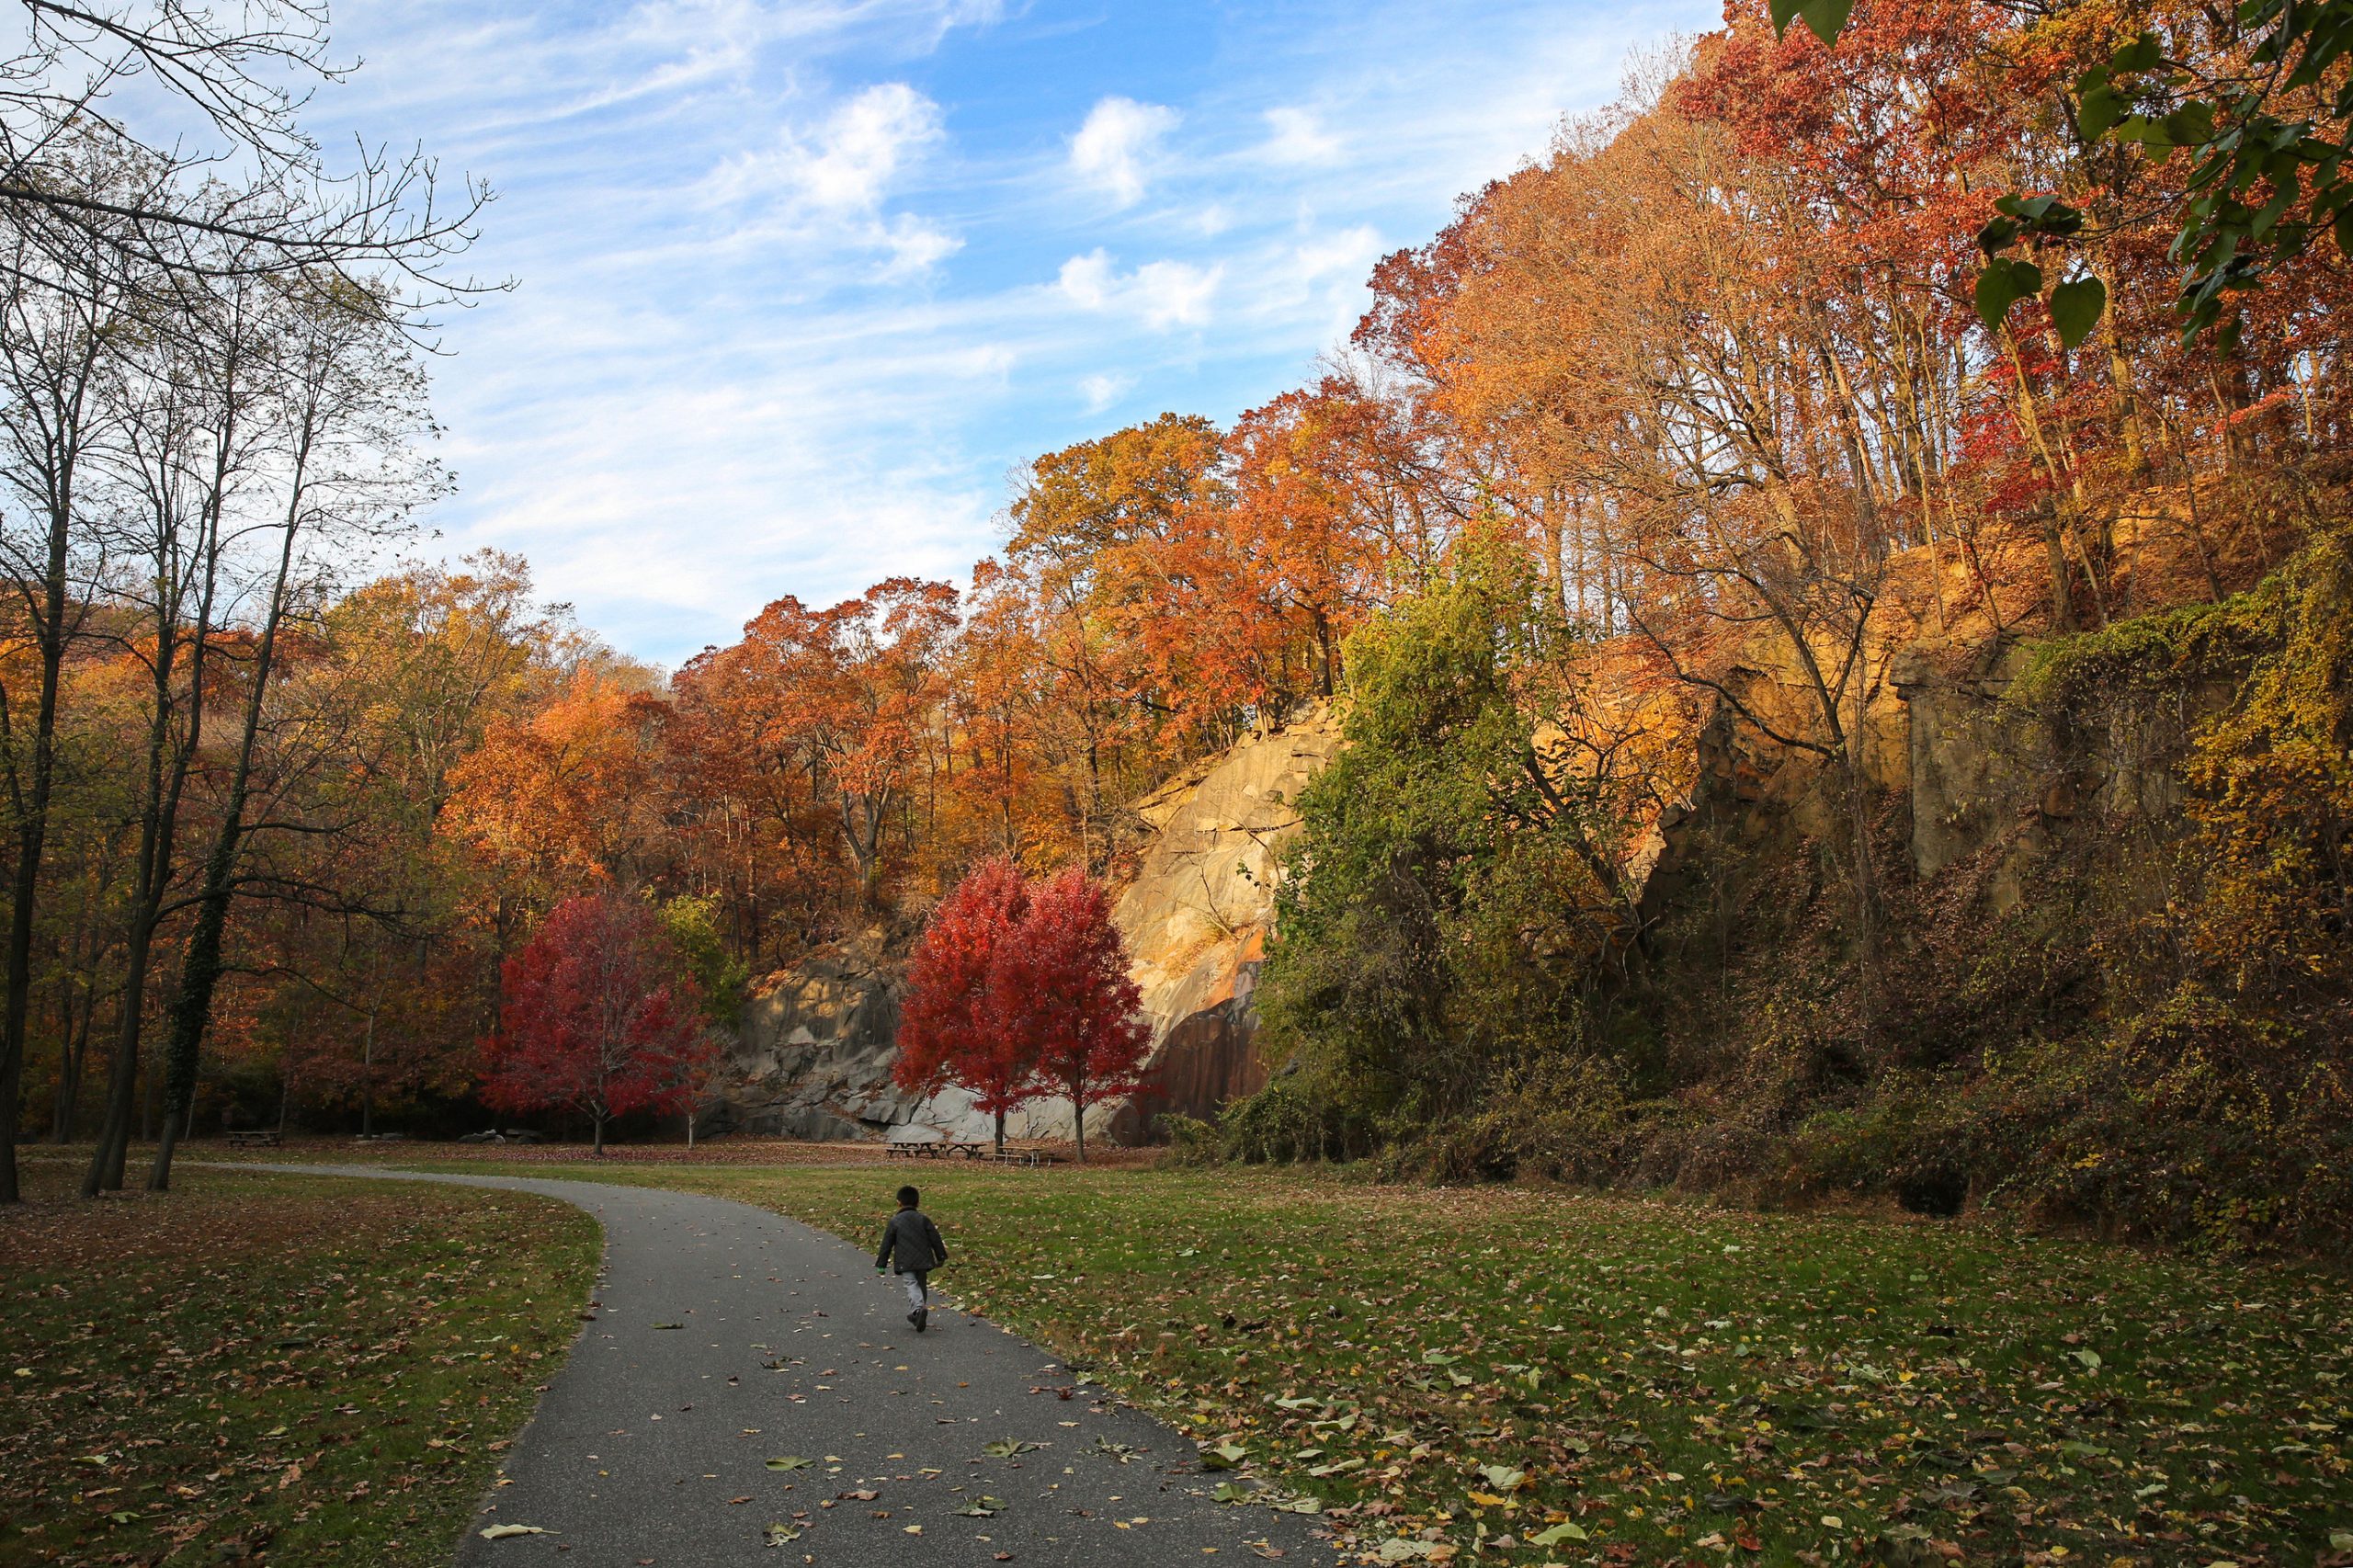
pixel 817 1041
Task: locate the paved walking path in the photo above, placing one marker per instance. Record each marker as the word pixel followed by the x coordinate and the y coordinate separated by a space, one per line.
pixel 726 1337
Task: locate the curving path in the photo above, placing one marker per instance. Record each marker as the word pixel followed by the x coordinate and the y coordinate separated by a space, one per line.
pixel 651 1446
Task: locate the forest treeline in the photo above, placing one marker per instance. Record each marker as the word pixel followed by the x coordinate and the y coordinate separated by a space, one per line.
pixel 1691 428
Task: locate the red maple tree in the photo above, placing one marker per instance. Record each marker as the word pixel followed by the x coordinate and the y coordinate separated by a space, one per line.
pixel 1061 987
pixel 1018 991
pixel 599 1018
pixel 949 1030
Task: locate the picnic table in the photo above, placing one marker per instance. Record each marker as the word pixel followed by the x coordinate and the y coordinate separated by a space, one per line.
pixel 941 1148
pixel 954 1148
pixel 1023 1157
pixel 262 1139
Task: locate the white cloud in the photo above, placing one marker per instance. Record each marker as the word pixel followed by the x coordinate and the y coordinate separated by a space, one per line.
pixel 1297 136
pixel 822 188
pixel 1103 389
pixel 1350 254
pixel 1088 279
pixel 1176 293
pixel 1161 294
pixel 1118 146
pixel 739 363
pixel 846 164
pixel 915 248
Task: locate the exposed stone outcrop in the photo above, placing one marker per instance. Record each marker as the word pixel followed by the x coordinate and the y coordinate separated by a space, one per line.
pixel 1975 771
pixel 816 1042
pixel 1196 918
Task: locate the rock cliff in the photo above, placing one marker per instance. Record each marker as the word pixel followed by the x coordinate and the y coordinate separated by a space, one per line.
pixel 815 1049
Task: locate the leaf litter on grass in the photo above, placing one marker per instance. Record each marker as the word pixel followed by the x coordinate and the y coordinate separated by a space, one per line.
pixel 1659 1374
pixel 322 1370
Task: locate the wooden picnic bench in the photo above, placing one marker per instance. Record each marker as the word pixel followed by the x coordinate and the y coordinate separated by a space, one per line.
pixel 952 1148
pixel 262 1139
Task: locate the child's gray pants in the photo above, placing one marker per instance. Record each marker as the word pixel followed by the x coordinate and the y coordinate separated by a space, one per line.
pixel 918 1288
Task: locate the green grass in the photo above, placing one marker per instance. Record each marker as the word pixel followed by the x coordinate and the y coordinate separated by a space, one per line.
pixel 1673 1383
pixel 289 1369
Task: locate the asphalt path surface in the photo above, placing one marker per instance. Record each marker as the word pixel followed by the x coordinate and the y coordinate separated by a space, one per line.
pixel 724 1338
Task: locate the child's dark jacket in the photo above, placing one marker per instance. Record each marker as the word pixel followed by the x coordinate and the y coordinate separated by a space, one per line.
pixel 910 1243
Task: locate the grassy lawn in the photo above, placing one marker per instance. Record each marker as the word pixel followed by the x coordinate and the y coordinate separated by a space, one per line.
pixel 1541 1377
pixel 288 1369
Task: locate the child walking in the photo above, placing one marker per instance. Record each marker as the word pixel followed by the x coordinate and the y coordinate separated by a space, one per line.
pixel 912 1248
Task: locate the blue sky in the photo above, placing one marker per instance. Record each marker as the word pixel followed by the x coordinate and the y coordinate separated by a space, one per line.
pixel 801 283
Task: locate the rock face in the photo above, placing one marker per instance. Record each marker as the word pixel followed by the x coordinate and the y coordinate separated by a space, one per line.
pixel 816 1044
pixel 1196 918
pixel 1975 774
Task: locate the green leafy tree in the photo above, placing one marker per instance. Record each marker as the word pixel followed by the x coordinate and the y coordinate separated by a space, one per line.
pixel 719 976
pixel 1454 882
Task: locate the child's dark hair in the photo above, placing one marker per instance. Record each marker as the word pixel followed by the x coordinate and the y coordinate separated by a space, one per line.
pixel 909 1198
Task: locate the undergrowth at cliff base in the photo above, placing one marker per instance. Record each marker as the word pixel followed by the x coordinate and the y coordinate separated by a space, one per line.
pixel 1535 1376
pixel 270 1368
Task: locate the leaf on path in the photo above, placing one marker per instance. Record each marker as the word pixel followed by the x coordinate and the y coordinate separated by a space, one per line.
pixel 982 1507
pixel 507 1532
pixel 790 1461
pixel 779 1534
pixel 669 1325
pixel 1223 1455
pixel 1005 1448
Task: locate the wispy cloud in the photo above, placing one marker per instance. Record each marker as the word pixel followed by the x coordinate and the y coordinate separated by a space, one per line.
pixel 1161 294
pixel 802 280
pixel 1296 135
pixel 1115 150
pixel 847 162
pixel 1103 389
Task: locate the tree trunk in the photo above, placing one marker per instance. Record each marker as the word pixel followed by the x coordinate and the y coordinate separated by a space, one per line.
pixel 1078 1122
pixel 200 970
pixel 74 1052
pixel 1000 1132
pixel 597 1147
pixel 32 834
pixel 64 389
pixel 105 1174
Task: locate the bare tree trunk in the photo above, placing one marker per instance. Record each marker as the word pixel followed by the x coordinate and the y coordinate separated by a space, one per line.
pixel 64 392
pixel 202 968
pixel 368 1079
